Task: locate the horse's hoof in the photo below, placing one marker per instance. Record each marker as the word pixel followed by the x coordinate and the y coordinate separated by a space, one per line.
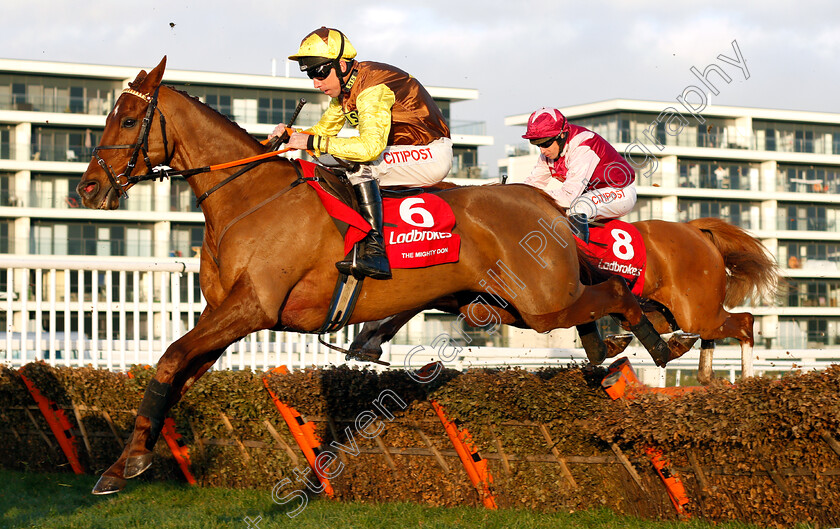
pixel 593 345
pixel 366 356
pixel 660 353
pixel 136 465
pixel 108 485
pixel 680 343
pixel 617 343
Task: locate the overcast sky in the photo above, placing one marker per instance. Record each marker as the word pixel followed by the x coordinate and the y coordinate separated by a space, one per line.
pixel 519 55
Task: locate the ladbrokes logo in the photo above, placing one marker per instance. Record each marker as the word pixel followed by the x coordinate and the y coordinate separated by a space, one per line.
pixel 612 266
pixel 417 236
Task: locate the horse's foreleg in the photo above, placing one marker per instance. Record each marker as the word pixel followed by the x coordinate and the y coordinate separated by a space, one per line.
pixel 595 301
pixel 182 363
pixel 113 479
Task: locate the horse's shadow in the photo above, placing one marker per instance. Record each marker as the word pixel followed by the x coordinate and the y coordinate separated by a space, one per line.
pixel 351 394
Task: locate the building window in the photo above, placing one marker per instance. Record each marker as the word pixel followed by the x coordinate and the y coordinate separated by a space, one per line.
pixel 6 142
pixel 19 97
pixel 6 241
pixel 185 241
pixel 54 192
pixel 813 293
pixel 42 93
pixel 221 103
pixel 810 179
pixel 808 333
pixel 77 100
pixel 624 130
pixel 715 175
pixel 814 256
pixel 803 217
pixel 769 139
pixel 75 238
pixel 737 213
pixel 181 196
pixel 803 141
pixel 646 209
pixel 661 134
pixel 64 144
pixel 275 109
pixel 464 163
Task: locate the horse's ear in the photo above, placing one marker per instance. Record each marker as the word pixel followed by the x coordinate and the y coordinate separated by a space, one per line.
pixel 150 82
pixel 139 79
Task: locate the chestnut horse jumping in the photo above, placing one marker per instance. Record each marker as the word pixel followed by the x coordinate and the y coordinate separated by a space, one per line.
pixel 274 267
pixel 694 270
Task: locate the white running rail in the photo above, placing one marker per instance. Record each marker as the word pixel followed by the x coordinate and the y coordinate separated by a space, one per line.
pixel 112 312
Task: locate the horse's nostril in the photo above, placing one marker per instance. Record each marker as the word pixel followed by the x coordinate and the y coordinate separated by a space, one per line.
pixel 89 188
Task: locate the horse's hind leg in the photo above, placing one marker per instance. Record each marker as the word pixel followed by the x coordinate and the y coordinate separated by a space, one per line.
pixel 739 326
pixel 368 343
pixel 704 371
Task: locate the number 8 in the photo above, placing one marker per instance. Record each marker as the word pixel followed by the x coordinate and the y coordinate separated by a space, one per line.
pixel 622 248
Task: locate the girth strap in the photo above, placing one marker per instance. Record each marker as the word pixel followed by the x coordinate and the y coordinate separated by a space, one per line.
pixel 299 180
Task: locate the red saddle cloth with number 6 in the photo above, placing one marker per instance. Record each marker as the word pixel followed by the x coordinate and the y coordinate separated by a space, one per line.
pixel 418 229
pixel 619 248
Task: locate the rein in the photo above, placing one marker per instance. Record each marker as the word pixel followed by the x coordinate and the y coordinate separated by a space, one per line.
pixel 163 171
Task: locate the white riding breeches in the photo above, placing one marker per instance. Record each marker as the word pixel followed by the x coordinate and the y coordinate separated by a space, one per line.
pixel 606 203
pixel 408 165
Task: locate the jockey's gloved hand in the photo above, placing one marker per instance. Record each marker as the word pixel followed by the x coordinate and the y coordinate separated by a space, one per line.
pixel 281 132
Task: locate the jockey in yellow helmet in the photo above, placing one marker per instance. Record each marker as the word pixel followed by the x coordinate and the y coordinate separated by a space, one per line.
pixel 403 137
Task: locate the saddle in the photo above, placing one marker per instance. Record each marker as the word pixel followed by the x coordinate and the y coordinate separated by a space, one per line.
pixel 336 183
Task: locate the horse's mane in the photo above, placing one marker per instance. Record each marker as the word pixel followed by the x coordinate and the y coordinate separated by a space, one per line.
pixel 550 200
pixel 212 110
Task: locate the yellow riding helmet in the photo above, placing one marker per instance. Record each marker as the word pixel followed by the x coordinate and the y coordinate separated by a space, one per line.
pixel 327 43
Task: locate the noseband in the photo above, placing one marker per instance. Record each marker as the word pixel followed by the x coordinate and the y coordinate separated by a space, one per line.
pixel 141 145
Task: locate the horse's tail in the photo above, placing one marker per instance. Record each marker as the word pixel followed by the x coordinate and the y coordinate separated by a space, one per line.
pixel 751 269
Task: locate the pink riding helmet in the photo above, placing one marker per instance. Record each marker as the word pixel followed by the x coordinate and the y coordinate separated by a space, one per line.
pixel 545 123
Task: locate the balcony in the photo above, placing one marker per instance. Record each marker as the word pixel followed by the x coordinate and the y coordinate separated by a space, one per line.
pixel 61 154
pixel 62 104
pixel 806 223
pixel 468 128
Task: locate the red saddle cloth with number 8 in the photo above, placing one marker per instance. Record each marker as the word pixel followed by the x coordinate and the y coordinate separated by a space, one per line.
pixel 619 249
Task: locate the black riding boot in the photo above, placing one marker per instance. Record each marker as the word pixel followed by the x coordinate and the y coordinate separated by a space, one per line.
pixel 368 256
pixel 580 226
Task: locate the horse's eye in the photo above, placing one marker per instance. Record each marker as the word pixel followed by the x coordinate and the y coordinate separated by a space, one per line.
pixel 127 123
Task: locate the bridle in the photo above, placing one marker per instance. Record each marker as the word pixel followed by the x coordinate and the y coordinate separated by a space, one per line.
pixel 141 145
pixel 163 170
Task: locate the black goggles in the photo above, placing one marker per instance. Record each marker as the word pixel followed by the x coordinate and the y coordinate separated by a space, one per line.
pixel 545 144
pixel 320 72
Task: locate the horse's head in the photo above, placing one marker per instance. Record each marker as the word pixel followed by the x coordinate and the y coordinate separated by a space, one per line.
pixel 134 131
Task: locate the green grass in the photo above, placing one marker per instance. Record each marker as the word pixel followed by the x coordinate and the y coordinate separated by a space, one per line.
pixel 64 501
